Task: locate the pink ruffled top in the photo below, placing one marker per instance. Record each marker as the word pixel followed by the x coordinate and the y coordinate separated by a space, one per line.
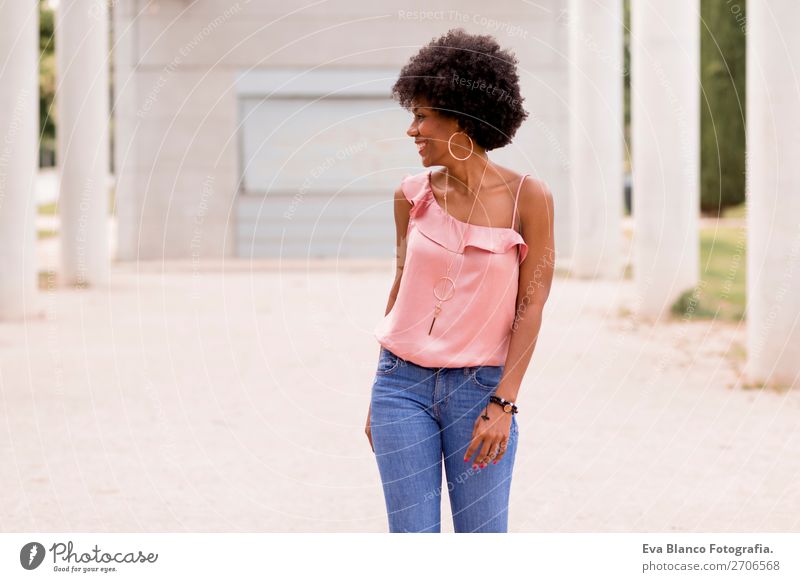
pixel 473 327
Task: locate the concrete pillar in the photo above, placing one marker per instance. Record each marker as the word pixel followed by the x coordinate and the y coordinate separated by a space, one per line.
pixel 665 101
pixel 596 135
pixel 773 192
pixel 19 123
pixel 83 149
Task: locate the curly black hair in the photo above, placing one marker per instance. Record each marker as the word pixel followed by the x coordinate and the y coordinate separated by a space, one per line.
pixel 470 78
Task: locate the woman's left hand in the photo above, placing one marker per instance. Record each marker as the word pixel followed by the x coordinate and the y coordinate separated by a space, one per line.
pixel 489 437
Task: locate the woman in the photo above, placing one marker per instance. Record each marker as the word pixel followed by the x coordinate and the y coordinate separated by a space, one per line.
pixel 474 267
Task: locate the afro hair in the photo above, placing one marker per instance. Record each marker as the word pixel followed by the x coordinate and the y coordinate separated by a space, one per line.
pixel 469 78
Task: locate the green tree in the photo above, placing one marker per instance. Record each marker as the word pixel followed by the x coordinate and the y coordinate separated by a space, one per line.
pixel 47 85
pixel 722 121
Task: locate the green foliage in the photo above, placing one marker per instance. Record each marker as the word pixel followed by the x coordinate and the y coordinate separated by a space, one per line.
pixel 47 82
pixel 722 105
pixel 626 72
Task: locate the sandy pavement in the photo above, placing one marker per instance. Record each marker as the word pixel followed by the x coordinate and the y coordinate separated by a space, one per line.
pixel 188 399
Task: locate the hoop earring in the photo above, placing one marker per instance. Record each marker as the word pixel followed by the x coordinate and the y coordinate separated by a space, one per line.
pixel 450 148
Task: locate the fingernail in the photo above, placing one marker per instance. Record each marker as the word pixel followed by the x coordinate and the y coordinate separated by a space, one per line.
pixel 494 462
pixel 483 465
pixel 475 466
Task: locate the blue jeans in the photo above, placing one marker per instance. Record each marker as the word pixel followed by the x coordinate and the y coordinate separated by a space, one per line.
pixel 420 415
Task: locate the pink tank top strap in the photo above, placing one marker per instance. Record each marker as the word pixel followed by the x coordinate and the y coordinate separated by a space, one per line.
pixel 516 199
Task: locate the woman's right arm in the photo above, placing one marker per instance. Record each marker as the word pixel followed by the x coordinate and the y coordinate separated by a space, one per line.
pixel 402 209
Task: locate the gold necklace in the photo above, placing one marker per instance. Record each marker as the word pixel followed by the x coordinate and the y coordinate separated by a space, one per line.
pixel 449 285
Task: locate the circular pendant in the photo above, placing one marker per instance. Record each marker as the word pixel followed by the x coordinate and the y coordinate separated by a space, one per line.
pixel 444 289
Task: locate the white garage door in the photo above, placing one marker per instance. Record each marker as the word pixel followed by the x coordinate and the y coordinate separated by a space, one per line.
pixel 320 155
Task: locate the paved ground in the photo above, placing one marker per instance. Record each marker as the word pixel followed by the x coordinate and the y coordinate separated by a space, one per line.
pixel 189 400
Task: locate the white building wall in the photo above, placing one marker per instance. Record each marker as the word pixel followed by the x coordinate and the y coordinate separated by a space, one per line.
pixel 178 156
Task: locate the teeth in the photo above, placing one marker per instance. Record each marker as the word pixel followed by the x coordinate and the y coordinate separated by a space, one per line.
pixel 420 146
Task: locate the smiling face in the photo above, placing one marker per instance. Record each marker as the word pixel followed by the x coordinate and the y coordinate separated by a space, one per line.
pixel 430 131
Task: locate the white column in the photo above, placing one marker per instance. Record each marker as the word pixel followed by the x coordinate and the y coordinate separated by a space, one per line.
pixel 773 192
pixel 83 150
pixel 19 123
pixel 665 101
pixel 596 135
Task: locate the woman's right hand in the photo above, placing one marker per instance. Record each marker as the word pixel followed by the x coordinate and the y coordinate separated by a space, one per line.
pixel 368 430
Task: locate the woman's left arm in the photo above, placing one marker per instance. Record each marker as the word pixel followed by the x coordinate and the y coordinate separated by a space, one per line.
pixel 535 278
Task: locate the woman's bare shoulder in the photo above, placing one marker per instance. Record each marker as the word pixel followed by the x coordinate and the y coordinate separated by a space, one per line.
pixel 536 205
pixel 531 188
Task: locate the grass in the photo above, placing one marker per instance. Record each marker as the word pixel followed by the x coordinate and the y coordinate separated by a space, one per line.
pixel 47 280
pixel 739 211
pixel 722 289
pixel 49 209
